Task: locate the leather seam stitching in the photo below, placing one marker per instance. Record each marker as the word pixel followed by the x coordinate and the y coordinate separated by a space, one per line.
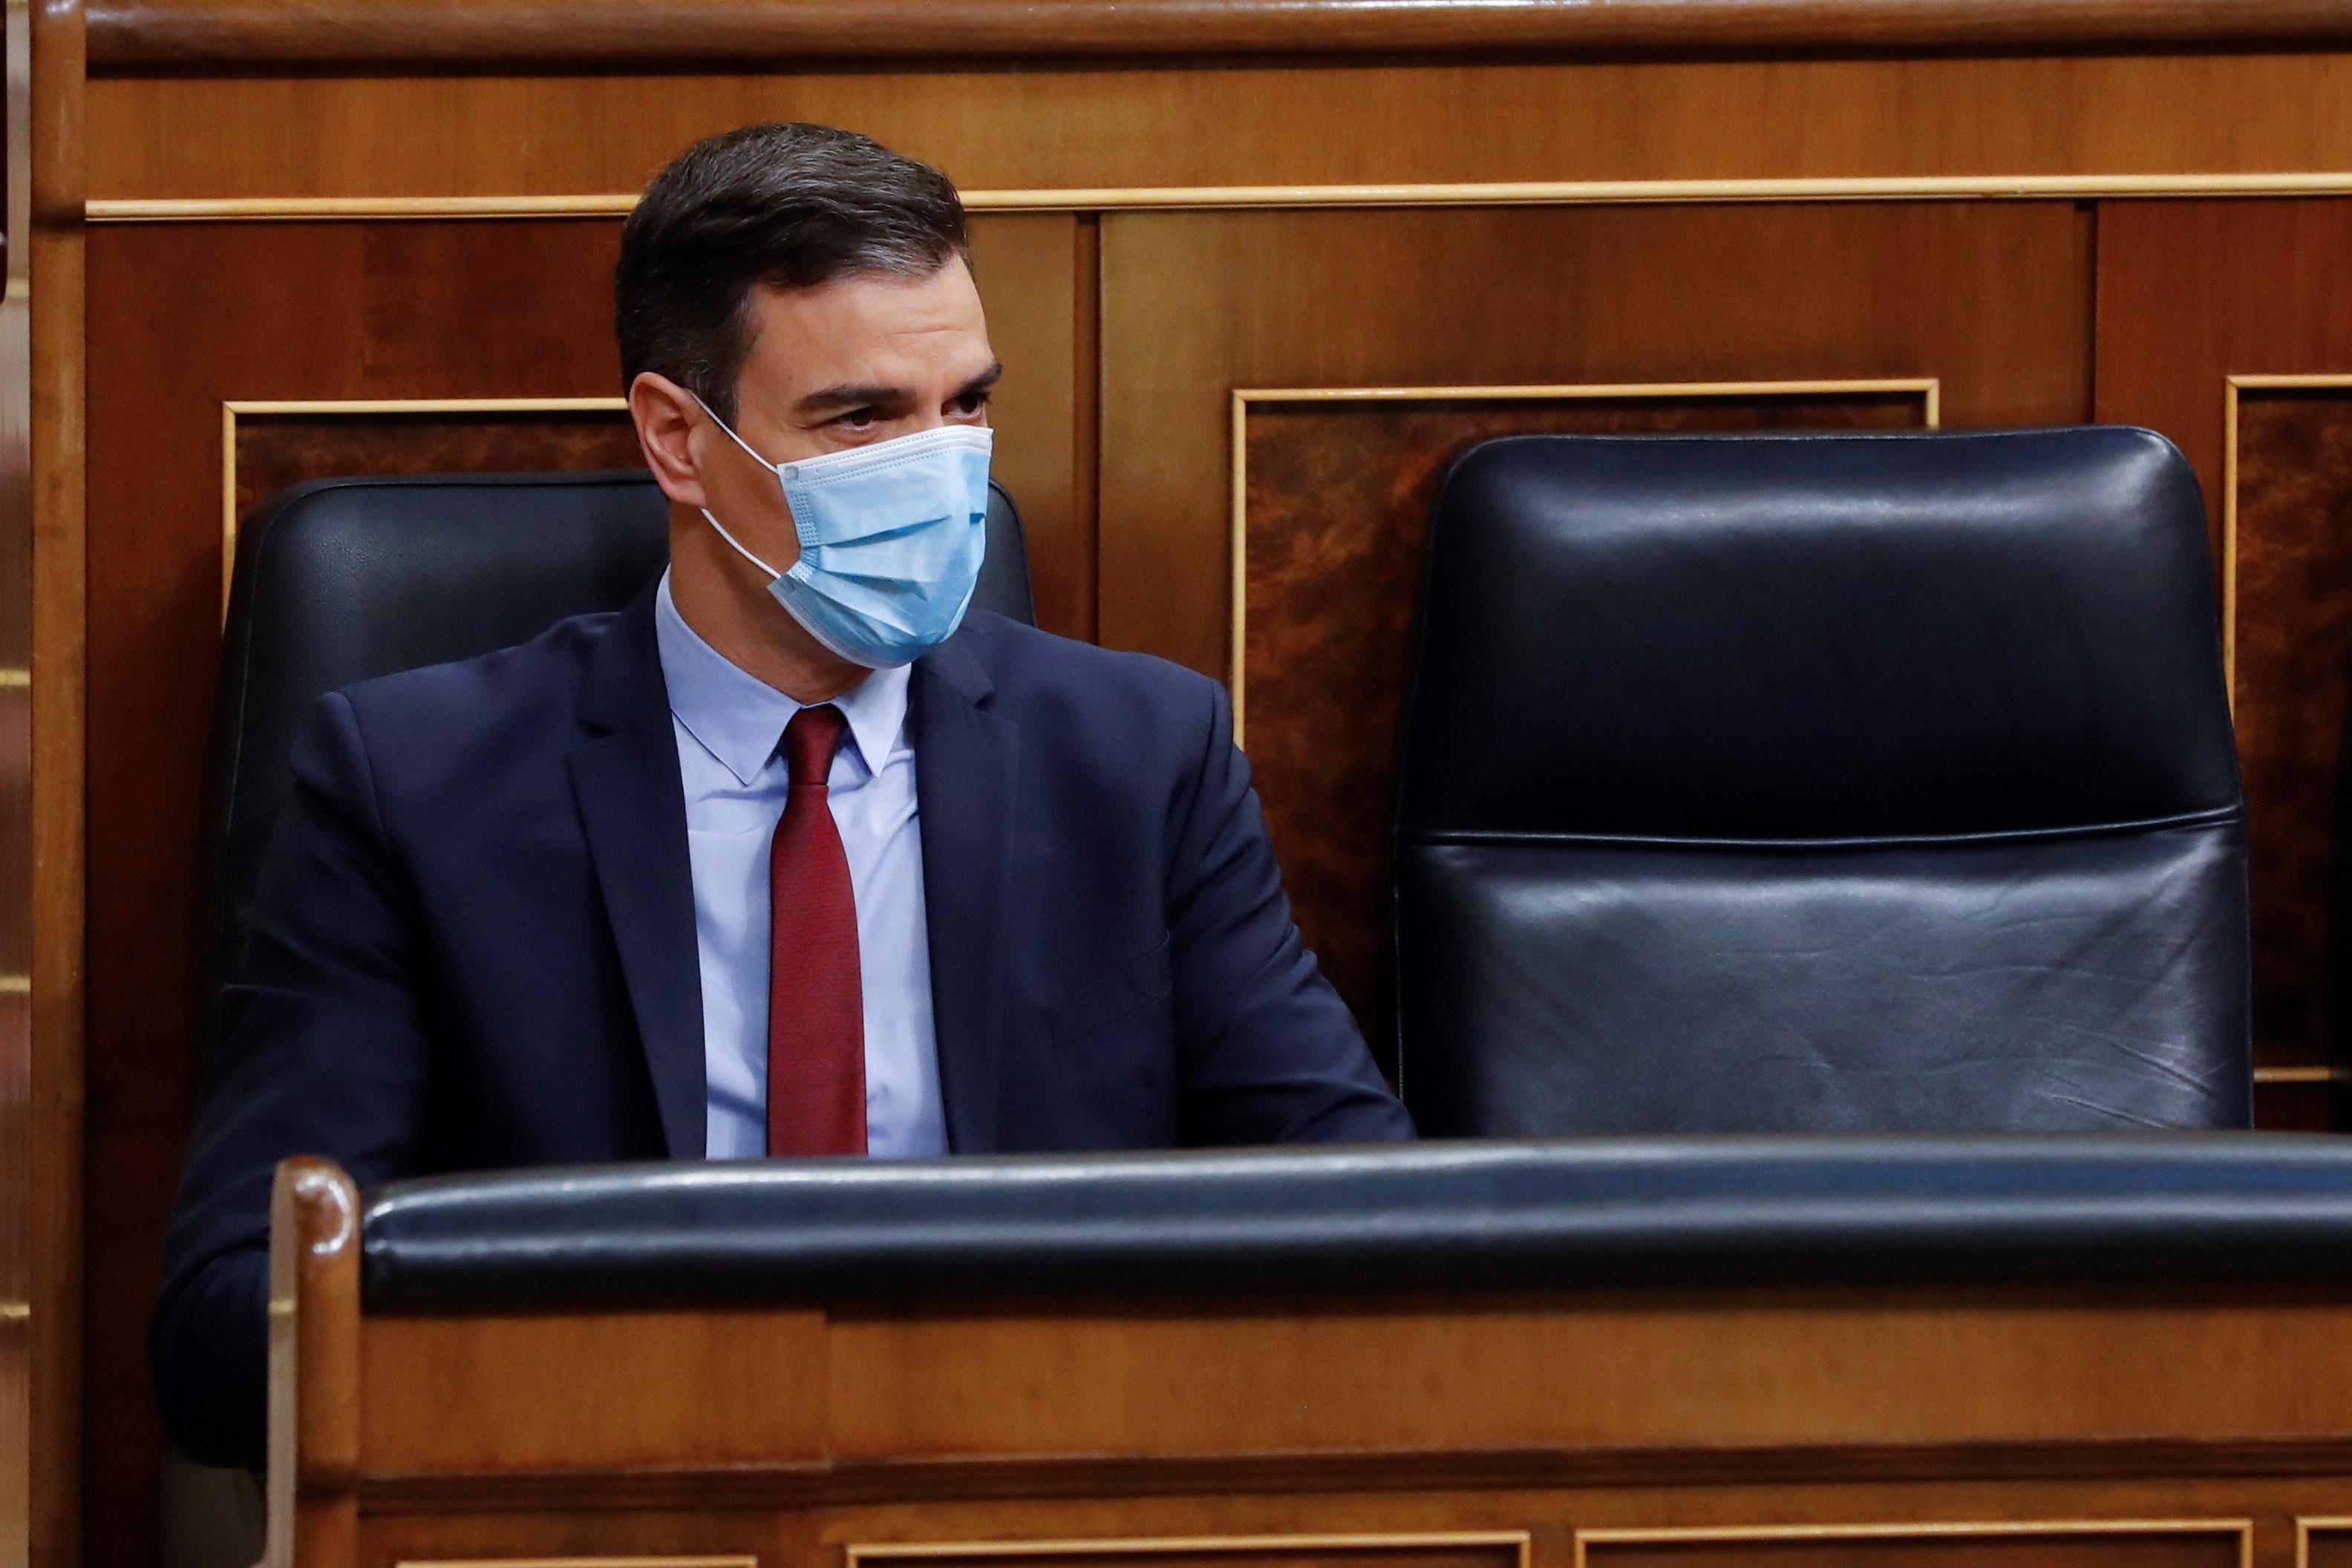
pixel 2215 817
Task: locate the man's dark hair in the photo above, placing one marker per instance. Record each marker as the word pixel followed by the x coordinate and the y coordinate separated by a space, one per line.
pixel 787 207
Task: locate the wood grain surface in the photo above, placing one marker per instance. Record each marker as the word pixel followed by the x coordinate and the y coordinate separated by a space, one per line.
pixel 55 1077
pixel 1274 123
pixel 2118 1546
pixel 1576 1371
pixel 2190 294
pixel 1992 298
pixel 17 914
pixel 1337 509
pixel 2012 1426
pixel 135 33
pixel 315 1391
pixel 1498 1550
pixel 1126 334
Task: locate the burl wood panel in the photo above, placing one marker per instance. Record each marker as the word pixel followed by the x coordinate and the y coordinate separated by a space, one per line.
pixel 1337 509
pixel 2220 1547
pixel 188 317
pixel 274 451
pixel 2294 709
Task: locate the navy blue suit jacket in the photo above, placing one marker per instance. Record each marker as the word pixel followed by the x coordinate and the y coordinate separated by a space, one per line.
pixel 474 947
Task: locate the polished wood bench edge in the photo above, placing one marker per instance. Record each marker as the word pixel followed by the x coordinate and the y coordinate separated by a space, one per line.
pixel 851 1483
pixel 481 34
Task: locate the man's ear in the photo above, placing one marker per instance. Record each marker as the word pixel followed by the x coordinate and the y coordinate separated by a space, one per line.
pixel 666 415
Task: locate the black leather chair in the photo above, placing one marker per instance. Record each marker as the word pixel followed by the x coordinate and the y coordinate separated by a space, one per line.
pixel 1822 782
pixel 340 580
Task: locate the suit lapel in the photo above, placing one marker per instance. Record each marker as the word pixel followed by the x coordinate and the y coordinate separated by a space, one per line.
pixel 632 806
pixel 966 762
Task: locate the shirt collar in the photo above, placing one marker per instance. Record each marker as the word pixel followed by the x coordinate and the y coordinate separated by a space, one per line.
pixel 739 719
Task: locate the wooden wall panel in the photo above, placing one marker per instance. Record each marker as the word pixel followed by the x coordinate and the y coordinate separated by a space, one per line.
pixel 1337 506
pixel 49 263
pixel 1962 1372
pixel 2057 1545
pixel 2190 294
pixel 188 318
pixel 432 1388
pixel 1993 298
pixel 1176 309
pixel 1037 279
pixel 1369 1551
pixel 370 134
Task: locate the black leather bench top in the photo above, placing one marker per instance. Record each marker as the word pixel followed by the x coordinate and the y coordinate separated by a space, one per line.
pixel 1439 1216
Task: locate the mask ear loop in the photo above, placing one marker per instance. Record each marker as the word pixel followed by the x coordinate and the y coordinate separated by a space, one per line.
pixel 776 468
pixel 707 517
pixel 738 544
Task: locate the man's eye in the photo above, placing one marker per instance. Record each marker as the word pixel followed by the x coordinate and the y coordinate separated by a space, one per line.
pixel 857 419
pixel 970 402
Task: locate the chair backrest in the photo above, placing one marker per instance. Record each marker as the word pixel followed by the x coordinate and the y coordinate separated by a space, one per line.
pixel 340 580
pixel 1822 782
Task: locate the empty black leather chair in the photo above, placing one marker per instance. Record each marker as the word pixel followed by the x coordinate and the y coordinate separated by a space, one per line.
pixel 340 580
pixel 1821 782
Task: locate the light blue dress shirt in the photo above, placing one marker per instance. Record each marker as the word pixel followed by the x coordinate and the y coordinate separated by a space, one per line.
pixel 729 725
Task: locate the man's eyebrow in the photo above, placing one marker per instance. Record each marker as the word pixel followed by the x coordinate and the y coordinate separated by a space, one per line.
pixel 851 394
pixel 861 394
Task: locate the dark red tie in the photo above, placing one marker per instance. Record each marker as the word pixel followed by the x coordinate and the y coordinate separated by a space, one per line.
pixel 816 1004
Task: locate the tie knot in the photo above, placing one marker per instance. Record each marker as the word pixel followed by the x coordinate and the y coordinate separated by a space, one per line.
pixel 809 741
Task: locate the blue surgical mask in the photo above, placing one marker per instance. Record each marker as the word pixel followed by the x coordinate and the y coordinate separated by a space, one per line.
pixel 892 536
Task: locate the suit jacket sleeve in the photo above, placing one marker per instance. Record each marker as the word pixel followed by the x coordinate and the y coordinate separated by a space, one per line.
pixel 323 1052
pixel 1270 1052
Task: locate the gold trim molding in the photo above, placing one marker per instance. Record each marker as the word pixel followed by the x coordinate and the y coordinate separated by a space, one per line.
pixel 1929 389
pixel 1519 1540
pixel 1178 198
pixel 1768 1534
pixel 233 410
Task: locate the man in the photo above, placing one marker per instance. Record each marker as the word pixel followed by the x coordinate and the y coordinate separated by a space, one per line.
pixel 792 857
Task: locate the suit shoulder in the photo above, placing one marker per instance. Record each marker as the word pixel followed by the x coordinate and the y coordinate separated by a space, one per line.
pixel 431 734
pixel 538 678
